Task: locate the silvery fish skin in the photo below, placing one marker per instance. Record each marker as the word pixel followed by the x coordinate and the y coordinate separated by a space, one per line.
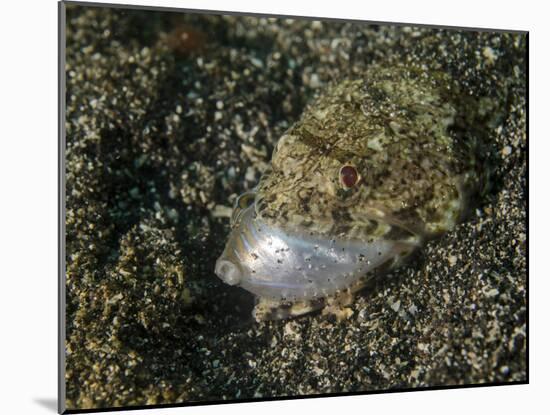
pixel 290 266
pixel 373 169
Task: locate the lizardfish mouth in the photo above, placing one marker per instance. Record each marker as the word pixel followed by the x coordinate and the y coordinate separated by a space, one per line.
pixel 273 263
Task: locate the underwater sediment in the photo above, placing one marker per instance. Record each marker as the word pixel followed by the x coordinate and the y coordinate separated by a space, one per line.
pixel 164 131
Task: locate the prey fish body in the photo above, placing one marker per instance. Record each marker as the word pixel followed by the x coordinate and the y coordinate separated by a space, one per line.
pixel 291 265
pixel 373 168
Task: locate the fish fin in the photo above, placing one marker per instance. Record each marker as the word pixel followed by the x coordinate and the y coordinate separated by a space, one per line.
pixel 267 309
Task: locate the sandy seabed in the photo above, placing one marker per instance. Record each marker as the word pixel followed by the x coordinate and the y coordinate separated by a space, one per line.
pixel 169 118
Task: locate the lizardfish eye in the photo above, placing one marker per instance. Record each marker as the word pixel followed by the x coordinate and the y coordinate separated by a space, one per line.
pixel 349 176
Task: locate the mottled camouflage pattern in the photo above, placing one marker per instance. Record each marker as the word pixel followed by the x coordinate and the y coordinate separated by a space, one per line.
pixel 411 137
pixel 400 128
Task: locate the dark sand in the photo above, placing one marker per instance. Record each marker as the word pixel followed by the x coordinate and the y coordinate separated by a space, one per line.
pixel 162 134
